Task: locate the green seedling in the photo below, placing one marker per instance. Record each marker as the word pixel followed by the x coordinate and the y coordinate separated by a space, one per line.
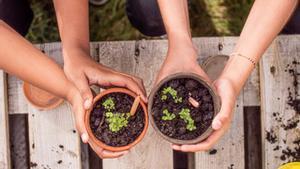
pixel 117 120
pixel 109 104
pixel 168 115
pixel 172 92
pixel 186 116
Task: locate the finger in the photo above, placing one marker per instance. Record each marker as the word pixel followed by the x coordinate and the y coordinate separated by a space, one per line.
pixel 205 145
pixel 176 147
pixel 227 107
pixel 140 82
pixel 79 120
pixel 83 86
pixel 110 154
pixel 104 153
pixel 97 150
pixel 129 83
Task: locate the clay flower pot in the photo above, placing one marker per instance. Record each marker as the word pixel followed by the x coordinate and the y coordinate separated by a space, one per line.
pixel 181 108
pixel 39 98
pixel 101 127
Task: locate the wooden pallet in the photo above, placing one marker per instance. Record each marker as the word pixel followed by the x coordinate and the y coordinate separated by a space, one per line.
pixel 53 142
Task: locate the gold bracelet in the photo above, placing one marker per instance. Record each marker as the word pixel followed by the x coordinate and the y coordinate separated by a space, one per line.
pixel 243 56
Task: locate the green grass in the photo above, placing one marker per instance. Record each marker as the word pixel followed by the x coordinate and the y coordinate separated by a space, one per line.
pixel 109 22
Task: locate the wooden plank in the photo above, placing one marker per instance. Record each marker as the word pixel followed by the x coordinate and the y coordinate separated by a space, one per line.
pixel 54 143
pixel 143 59
pixel 279 77
pixel 230 149
pixel 253 151
pixel 4 131
pixel 18 138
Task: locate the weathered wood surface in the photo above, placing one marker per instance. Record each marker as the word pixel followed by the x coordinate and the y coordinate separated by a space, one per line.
pixel 4 131
pixel 230 149
pixel 54 143
pixel 280 89
pixel 143 59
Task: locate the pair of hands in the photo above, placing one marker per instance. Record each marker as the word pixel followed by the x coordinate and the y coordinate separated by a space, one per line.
pixel 82 71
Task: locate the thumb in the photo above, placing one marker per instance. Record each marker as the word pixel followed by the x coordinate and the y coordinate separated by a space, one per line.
pixel 80 125
pixel 227 105
pixel 85 91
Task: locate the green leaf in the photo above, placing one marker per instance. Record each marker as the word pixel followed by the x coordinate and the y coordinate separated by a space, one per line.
pixel 109 104
pixel 186 116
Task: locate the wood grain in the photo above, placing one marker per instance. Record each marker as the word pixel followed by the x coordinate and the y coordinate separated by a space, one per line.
pixel 279 88
pixel 4 130
pixel 54 143
pixel 143 59
pixel 229 151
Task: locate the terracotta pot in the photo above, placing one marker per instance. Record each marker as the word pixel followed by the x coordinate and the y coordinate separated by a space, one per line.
pixel 39 98
pixel 100 143
pixel 205 83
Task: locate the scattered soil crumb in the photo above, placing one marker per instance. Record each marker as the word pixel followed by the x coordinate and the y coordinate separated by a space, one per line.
pixel 213 152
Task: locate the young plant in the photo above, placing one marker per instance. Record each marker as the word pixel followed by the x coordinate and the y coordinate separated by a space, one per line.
pixel 186 116
pixel 168 115
pixel 109 104
pixel 172 92
pixel 117 120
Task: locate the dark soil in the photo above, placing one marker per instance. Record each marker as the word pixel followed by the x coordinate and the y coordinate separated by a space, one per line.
pixel 202 116
pixel 126 135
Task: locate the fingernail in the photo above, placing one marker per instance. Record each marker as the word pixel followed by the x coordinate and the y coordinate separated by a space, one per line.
pixel 87 103
pixel 175 147
pixel 84 137
pixel 216 124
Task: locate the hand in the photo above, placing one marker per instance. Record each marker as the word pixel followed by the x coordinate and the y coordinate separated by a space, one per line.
pixel 180 59
pixel 221 122
pixel 76 101
pixel 82 71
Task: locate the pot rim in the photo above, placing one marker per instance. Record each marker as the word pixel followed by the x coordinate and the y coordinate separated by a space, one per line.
pixel 102 144
pixel 212 91
pixel 29 98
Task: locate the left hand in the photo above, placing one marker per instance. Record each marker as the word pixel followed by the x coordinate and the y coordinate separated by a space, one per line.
pixel 221 122
pixel 180 59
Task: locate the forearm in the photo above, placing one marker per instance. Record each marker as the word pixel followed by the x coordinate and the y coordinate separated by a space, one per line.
pixel 266 19
pixel 20 58
pixel 176 20
pixel 73 23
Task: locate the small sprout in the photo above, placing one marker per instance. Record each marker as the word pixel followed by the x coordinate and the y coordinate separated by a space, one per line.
pixel 186 116
pixel 109 104
pixel 178 100
pixel 173 93
pixel 164 97
pixel 167 115
pixel 117 120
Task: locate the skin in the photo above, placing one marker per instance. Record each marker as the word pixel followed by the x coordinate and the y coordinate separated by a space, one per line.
pixel 266 19
pixel 80 68
pixel 20 58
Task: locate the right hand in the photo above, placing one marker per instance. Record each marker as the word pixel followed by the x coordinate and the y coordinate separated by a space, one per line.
pixel 82 71
pixel 75 99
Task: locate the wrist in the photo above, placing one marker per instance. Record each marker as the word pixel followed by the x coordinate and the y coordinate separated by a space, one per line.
pixel 74 51
pixel 237 71
pixel 178 39
pixel 71 93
